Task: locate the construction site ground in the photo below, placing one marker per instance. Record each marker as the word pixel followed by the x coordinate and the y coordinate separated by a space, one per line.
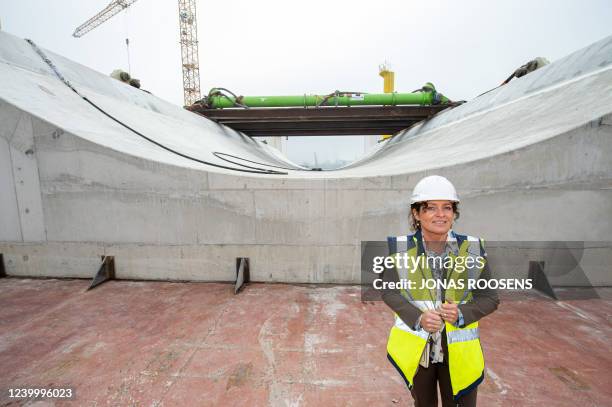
pixel 197 344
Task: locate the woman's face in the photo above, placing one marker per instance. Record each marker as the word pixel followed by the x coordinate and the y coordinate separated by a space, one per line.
pixel 436 217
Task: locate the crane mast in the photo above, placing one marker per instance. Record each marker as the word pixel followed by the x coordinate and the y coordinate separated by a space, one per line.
pixel 188 29
pixel 189 51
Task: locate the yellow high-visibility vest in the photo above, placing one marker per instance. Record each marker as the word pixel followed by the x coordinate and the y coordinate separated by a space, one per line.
pixel 406 345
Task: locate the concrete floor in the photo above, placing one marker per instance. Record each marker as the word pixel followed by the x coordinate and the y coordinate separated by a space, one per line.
pixel 196 344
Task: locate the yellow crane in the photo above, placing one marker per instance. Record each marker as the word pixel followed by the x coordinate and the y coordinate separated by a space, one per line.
pixel 188 30
pixel 388 85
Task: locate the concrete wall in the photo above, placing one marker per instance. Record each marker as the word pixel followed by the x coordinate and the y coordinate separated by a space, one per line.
pixel 530 161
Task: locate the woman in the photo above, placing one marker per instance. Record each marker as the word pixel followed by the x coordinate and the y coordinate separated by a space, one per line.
pixel 435 338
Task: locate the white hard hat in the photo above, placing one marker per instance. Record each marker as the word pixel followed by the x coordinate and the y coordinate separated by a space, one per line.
pixel 434 188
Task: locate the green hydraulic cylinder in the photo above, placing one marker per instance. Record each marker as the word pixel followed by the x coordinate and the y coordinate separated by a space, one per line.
pixel 428 96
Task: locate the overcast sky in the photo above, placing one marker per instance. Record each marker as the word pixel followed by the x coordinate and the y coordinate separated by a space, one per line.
pixel 275 47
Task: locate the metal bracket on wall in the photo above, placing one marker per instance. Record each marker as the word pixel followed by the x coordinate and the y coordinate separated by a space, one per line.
pixel 2 269
pixel 539 279
pixel 242 273
pixel 105 273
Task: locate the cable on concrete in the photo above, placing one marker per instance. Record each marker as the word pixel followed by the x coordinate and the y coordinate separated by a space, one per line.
pixel 250 169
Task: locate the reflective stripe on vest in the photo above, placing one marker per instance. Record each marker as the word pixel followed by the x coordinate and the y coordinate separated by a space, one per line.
pixel 421 333
pixel 463 335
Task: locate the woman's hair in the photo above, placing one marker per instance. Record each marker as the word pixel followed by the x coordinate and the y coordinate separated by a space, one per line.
pixel 415 224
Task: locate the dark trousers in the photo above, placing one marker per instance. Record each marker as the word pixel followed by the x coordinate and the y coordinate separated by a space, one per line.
pixel 425 389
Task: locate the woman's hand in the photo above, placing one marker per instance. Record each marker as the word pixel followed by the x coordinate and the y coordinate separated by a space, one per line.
pixel 431 321
pixel 449 312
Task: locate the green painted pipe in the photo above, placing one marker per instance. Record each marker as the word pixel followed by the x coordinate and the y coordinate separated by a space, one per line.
pixel 427 96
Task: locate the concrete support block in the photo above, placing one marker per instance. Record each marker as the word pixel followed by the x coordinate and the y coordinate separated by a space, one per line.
pixel 10 226
pixel 79 260
pixel 27 183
